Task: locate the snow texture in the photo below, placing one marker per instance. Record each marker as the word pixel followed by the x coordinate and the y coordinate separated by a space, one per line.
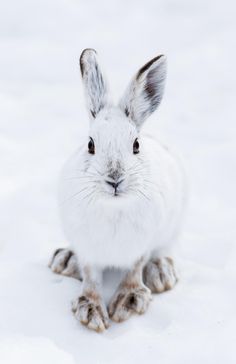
pixel 42 117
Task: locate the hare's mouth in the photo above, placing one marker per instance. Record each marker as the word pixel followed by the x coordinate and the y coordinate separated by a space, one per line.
pixel 115 187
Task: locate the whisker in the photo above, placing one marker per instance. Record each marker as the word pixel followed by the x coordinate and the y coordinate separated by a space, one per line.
pixel 137 164
pixel 85 172
pixel 140 169
pixel 83 177
pixel 91 198
pixel 135 173
pixel 89 194
pixel 100 174
pixel 144 195
pixel 76 194
pixel 140 192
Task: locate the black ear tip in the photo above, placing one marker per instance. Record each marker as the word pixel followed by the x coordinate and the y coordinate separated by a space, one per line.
pixel 162 56
pixel 86 50
pixel 159 58
pixel 86 53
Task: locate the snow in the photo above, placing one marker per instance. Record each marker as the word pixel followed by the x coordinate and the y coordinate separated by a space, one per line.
pixel 42 116
pixel 30 350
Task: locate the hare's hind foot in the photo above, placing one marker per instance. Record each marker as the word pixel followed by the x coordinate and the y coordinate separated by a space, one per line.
pixel 160 275
pixel 64 262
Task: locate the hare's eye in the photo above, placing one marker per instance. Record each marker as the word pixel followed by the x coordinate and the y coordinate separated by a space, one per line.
pixel 136 146
pixel 91 146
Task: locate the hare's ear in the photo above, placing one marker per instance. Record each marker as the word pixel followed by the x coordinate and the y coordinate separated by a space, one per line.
pixel 145 91
pixel 94 83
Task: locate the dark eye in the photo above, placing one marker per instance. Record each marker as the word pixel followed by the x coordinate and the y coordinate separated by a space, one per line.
pixel 91 146
pixel 136 146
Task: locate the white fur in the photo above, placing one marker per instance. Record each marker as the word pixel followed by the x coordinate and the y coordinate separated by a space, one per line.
pixel 107 230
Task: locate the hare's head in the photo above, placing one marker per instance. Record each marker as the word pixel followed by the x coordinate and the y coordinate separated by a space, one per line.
pixel 114 154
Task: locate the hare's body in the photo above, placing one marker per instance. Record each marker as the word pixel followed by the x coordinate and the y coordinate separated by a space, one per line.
pixel 116 231
pixel 122 197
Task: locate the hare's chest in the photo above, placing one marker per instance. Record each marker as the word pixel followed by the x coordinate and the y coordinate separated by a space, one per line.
pixel 114 238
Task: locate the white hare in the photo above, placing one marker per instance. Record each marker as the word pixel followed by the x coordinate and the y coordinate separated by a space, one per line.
pixel 122 196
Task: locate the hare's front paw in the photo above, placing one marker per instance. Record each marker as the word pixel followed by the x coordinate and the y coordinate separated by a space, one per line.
pixel 91 312
pixel 128 300
pixel 160 275
pixel 64 262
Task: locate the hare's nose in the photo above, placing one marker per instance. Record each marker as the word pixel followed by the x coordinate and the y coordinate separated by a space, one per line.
pixel 114 184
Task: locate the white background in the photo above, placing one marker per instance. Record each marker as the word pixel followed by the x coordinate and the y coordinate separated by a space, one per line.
pixel 42 117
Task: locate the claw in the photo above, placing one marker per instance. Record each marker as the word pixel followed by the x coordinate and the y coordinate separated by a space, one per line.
pixel 128 301
pixel 64 262
pixel 160 275
pixel 91 313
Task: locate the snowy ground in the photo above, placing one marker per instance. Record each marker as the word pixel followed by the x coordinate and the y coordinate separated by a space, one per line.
pixel 42 116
